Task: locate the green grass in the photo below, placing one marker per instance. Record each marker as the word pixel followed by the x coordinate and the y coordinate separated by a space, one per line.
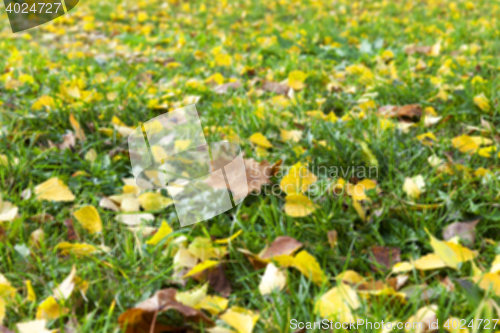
pixel 134 63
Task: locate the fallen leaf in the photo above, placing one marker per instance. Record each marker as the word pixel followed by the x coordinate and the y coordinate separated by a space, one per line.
pixel 152 201
pixel 50 309
pixel 89 218
pixel 489 281
pixel 426 316
pixel 338 303
pixel 272 279
pixel 414 186
pixel 35 326
pixel 275 87
pixel 296 80
pixel 242 320
pixel 163 232
pixel 223 88
pixel 297 181
pixel 332 238
pixel 64 290
pixel 141 318
pixel 260 140
pixel 464 230
pixel 8 211
pixel 411 112
pixel 482 102
pixel 107 203
pixel 282 245
pixel 71 230
pixel 79 249
pixel 135 219
pixel 201 267
pixel 385 256
pixel 258 174
pixel 53 189
pixel 309 266
pixel 80 135
pixel 30 293
pixel 293 135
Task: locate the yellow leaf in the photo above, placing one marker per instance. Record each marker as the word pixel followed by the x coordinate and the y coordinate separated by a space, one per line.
pixel 49 309
pixel 443 251
pixel 414 186
pixel 53 189
pixel 89 218
pixel 298 205
pixel 260 140
pixel 367 154
pixel 242 320
pixel 402 267
pixel 495 266
pixel 152 201
pixel 469 144
pixel 482 102
pixel 350 276
pixel 223 60
pixel 213 304
pixel 293 135
pixel 203 249
pixel 298 179
pixel 80 135
pixel 201 267
pixel 3 306
pixel 229 239
pixel 46 101
pixel 427 139
pixel 272 279
pixel 34 326
pixel 308 266
pixel 31 296
pixel 429 262
pixel 296 80
pixel 337 304
pixel 8 211
pixel 192 297
pixel 486 151
pixel 489 281
pixel 6 289
pixel 91 155
pixel 79 249
pixel 163 232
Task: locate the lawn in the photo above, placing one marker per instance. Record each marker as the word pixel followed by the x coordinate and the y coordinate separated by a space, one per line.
pixel 368 130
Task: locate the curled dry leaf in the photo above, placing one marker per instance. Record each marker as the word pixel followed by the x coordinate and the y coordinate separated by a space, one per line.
pixel 281 245
pixel 464 230
pixel 275 87
pixel 142 318
pixel 71 230
pixel 385 256
pixel 223 88
pixel 410 112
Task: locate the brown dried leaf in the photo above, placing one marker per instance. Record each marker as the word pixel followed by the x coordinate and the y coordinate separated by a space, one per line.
pixel 385 256
pixel 332 238
pixel 275 87
pixel 281 245
pixel 71 230
pixel 42 218
pixel 258 174
pixel 411 112
pixel 142 318
pixel 218 280
pixel 464 230
pixel 223 88
pixel 412 49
